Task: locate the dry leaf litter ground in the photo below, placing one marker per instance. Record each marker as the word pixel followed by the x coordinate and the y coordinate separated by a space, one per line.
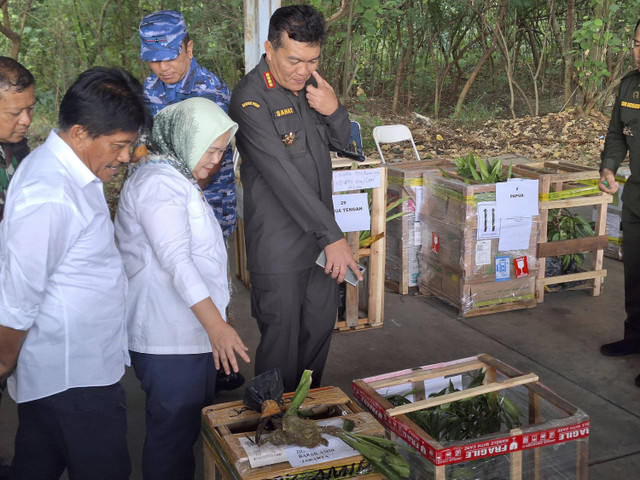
pixel 565 136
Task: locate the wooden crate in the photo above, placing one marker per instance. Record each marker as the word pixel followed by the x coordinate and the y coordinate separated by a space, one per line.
pixel 566 185
pixel 364 306
pixel 403 233
pixel 240 248
pixel 552 441
pixel 451 270
pixel 224 425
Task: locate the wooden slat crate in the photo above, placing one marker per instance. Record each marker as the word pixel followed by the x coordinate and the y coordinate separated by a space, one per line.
pixel 450 266
pixel 364 308
pixel 223 426
pixel 566 185
pixel 552 441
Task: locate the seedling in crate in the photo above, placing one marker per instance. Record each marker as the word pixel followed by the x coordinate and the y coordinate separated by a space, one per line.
pixel 469 418
pixel 294 429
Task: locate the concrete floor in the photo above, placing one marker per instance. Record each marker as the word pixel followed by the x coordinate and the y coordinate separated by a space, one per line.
pixel 558 340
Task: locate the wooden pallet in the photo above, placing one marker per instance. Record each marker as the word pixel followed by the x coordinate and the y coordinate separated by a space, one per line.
pixel 566 185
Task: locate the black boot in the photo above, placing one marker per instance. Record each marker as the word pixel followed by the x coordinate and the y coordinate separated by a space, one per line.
pixel 626 346
pixel 5 470
pixel 228 382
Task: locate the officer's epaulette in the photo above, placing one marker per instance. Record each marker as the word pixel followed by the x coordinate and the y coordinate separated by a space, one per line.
pixel 268 80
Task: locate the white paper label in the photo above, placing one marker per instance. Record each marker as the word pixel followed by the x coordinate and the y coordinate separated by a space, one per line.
pixel 345 180
pixel 262 455
pixel 488 221
pixel 483 252
pixel 352 212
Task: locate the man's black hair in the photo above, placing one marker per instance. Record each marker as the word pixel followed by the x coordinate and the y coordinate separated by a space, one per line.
pixel 13 75
pixel 302 23
pixel 637 25
pixel 104 101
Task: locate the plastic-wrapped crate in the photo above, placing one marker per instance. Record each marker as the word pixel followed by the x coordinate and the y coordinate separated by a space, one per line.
pixel 404 233
pixel 551 443
pixel 456 266
pixel 227 430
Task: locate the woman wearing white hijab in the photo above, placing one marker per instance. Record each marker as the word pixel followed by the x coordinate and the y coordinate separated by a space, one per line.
pixel 176 262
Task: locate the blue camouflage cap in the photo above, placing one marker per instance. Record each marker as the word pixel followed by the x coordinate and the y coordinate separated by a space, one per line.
pixel 161 35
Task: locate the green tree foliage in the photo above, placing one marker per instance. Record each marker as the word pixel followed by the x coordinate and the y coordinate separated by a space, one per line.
pixel 62 38
pixel 515 57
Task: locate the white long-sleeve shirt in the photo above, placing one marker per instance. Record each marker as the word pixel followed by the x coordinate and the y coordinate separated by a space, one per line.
pixel 61 276
pixel 174 256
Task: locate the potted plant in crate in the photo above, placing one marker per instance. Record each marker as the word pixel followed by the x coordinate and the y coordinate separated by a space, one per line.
pixel 472 417
pixel 564 225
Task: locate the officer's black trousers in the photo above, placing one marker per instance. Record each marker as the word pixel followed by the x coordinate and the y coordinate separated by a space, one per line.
pixel 296 314
pixel 631 259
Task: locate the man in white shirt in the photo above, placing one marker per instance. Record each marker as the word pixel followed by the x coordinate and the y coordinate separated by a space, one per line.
pixel 63 288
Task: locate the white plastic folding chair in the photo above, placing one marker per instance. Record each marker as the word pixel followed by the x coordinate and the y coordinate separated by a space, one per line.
pixel 393 134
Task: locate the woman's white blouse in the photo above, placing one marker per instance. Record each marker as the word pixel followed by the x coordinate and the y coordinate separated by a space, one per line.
pixel 174 256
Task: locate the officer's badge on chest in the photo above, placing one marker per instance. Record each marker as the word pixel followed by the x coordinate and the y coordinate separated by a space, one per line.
pixel 288 139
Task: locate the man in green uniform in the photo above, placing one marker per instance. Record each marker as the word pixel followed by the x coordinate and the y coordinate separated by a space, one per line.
pixel 288 117
pixel 624 136
pixel 17 99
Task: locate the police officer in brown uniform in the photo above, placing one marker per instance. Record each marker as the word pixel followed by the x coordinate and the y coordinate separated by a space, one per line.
pixel 288 118
pixel 624 136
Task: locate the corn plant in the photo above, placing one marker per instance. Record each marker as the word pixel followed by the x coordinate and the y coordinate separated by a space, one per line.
pixel 474 168
pixel 366 239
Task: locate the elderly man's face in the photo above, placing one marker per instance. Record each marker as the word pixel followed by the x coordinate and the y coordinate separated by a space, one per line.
pixel 104 154
pixel 16 112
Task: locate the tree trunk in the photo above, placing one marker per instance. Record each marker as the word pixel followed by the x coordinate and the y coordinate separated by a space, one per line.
pixel 347 76
pixel 486 55
pixel 405 58
pixel 5 28
pixel 472 78
pixel 567 56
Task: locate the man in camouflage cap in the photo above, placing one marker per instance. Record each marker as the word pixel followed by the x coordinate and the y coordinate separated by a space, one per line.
pixel 166 47
pixel 168 50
